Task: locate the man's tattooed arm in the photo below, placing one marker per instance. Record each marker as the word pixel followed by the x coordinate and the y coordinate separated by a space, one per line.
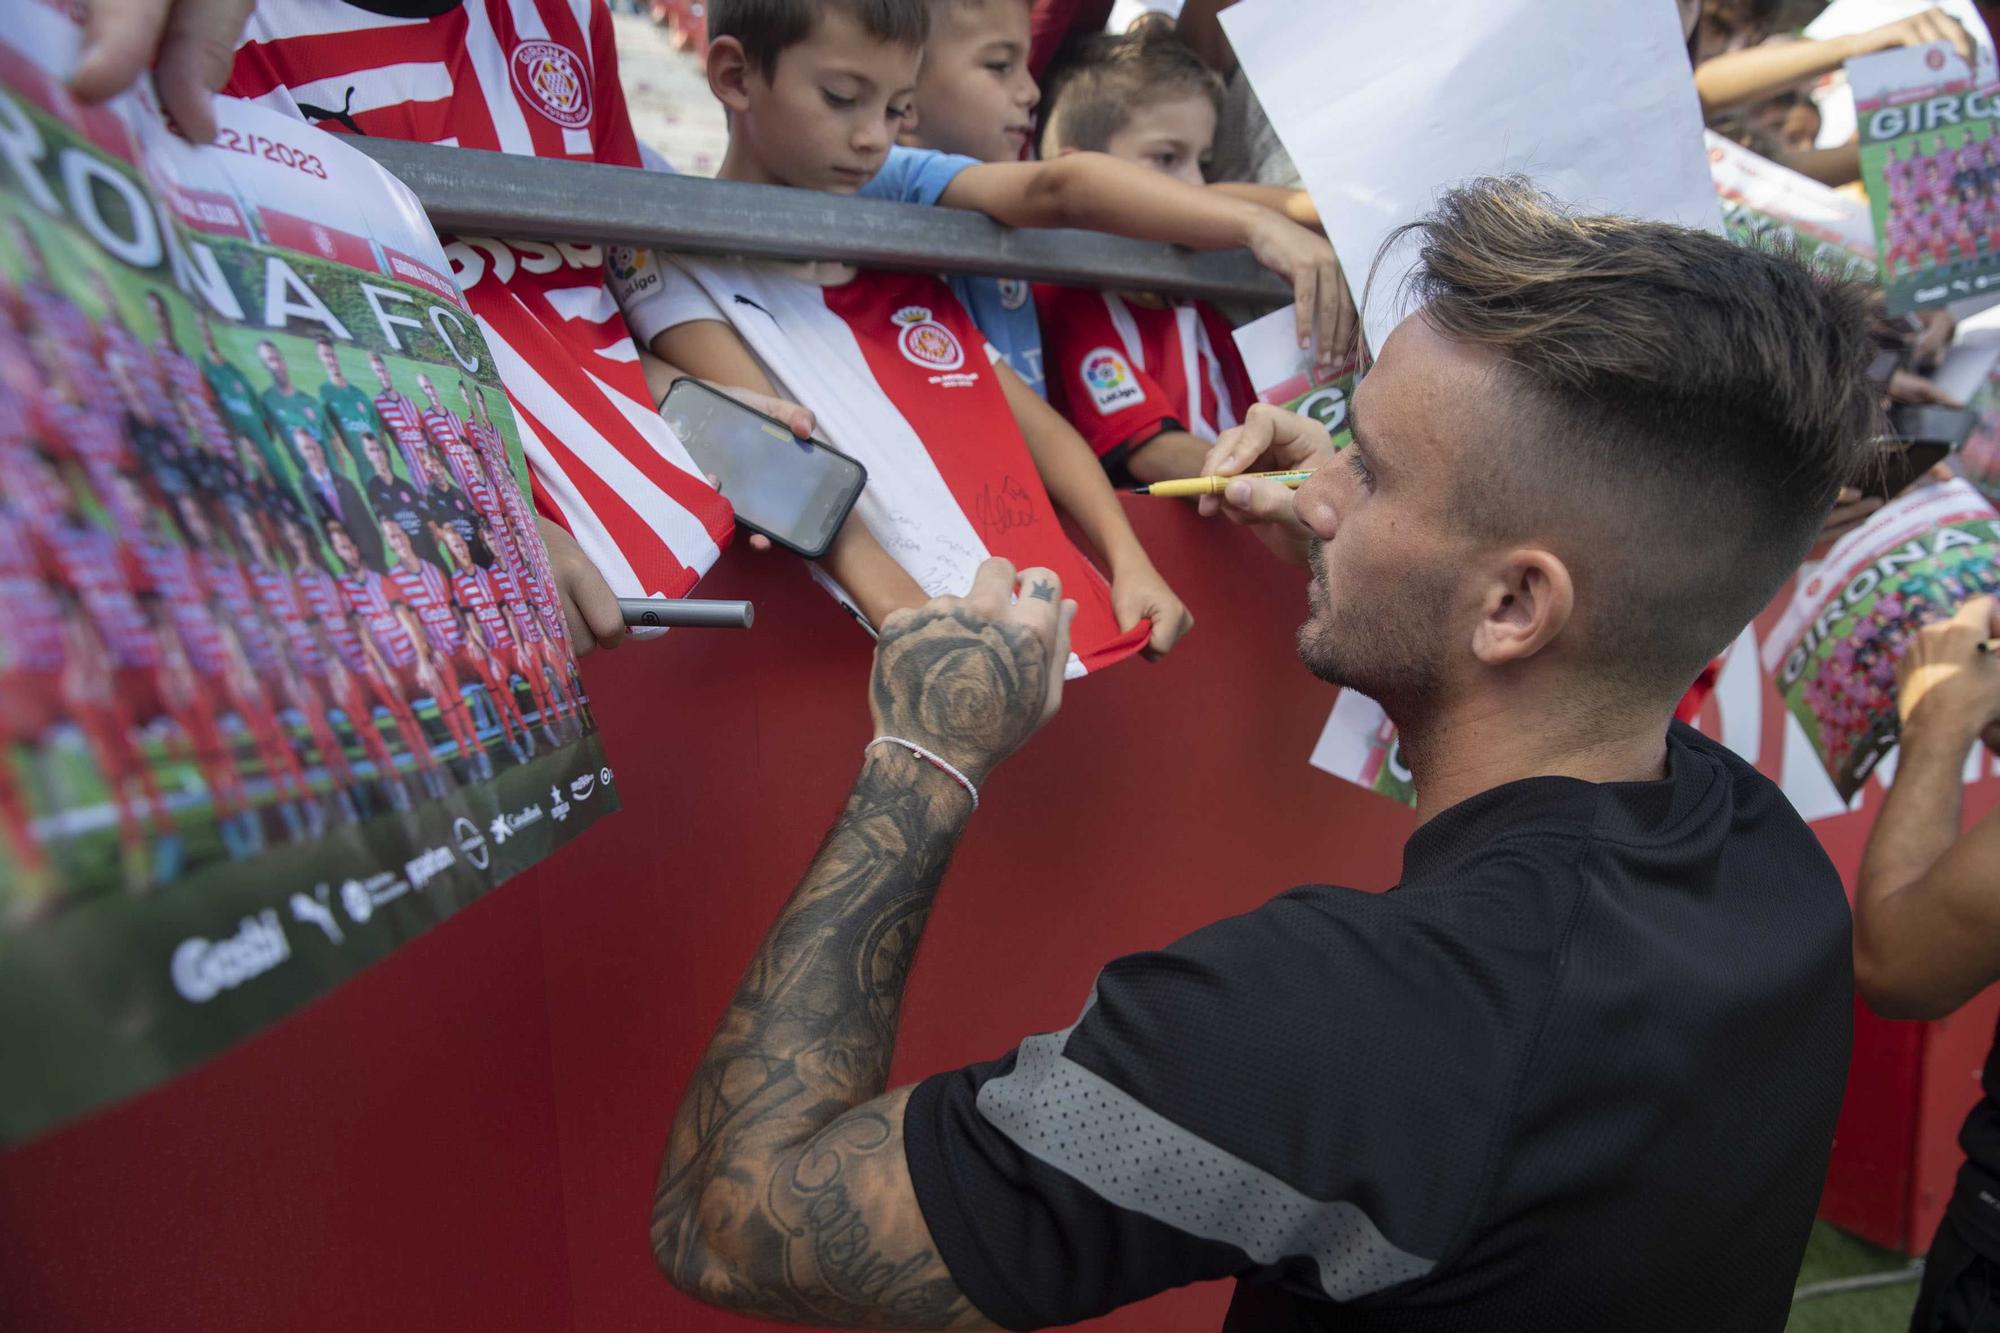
pixel 785 1192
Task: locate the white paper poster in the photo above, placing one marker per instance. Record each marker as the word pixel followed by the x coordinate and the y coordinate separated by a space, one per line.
pixel 1595 102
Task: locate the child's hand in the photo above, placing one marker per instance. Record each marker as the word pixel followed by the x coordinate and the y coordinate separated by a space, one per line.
pixel 587 600
pixel 1327 321
pixel 1139 593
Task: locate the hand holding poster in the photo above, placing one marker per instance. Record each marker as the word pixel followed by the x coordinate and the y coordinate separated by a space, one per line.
pixel 284 677
pixel 1833 653
pixel 1931 166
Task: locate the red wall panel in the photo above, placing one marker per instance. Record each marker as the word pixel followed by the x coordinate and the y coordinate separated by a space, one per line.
pixel 466 1136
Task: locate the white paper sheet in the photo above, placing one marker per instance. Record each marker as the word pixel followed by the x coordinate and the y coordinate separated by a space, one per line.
pixel 1382 108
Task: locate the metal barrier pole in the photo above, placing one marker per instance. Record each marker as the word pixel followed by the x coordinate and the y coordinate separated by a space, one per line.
pixel 475 193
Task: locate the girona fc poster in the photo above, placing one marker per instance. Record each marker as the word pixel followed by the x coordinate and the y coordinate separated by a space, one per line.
pixel 1833 653
pixel 284 678
pixel 1931 165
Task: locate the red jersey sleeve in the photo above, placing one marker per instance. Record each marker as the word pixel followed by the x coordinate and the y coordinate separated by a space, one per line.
pixel 1094 380
pixel 612 127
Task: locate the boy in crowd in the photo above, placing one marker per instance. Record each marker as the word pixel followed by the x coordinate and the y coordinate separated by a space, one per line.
pixel 815 95
pixel 1148 382
pixel 974 114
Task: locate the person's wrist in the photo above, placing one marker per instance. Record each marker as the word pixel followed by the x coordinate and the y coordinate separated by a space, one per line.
pixel 940 790
pixel 1941 718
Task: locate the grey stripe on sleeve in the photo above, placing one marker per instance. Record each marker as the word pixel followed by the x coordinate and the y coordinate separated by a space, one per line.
pixel 1100 1136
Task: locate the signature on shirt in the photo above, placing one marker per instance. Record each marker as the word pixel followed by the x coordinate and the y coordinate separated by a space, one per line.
pixel 999 513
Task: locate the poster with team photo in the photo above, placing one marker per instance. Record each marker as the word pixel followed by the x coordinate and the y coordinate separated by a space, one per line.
pixel 1931 166
pixel 284 677
pixel 1283 373
pixel 1978 459
pixel 1764 203
pixel 1833 653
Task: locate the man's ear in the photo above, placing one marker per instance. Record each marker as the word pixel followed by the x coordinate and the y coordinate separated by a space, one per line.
pixel 1527 602
pixel 729 74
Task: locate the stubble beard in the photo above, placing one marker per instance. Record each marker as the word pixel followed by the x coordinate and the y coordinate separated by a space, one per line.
pixel 1389 649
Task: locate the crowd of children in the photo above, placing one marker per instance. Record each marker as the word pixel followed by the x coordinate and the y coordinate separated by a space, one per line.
pixel 245 591
pixel 931 102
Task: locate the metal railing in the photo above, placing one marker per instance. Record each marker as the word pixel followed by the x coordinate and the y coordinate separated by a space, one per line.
pixel 507 195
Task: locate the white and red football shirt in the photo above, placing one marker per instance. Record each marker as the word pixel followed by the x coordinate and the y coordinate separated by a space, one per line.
pixel 478 593
pixel 426 589
pixel 1124 371
pixel 537 77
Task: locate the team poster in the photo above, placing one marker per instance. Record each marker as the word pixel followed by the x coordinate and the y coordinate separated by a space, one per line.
pixel 283 676
pixel 1833 653
pixel 1931 167
pixel 1764 203
pixel 1283 373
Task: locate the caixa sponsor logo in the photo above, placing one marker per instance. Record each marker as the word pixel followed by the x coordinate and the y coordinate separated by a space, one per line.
pixel 203 969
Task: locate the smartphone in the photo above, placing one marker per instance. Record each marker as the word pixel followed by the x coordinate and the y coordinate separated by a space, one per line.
pixel 1920 437
pixel 796 492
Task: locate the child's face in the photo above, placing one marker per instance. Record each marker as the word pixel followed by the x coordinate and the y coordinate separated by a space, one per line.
pixel 826 117
pixel 1173 136
pixel 975 95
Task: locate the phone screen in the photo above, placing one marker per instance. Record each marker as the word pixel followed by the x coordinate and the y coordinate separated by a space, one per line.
pixel 796 492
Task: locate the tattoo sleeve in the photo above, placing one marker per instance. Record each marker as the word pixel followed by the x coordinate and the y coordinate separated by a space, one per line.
pixel 785 1192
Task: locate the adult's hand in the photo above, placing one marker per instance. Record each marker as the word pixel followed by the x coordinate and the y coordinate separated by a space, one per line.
pixel 1269 440
pixel 189 44
pixel 971 678
pixel 1324 306
pixel 588 603
pixel 1944 680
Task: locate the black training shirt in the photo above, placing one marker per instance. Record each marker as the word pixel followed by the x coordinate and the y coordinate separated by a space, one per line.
pixel 1579 1070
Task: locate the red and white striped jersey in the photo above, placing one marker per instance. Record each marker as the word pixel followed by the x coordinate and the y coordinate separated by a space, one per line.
pixel 406 423
pixel 515 596
pixel 1123 371
pixel 31 633
pixel 478 594
pixel 230 580
pixel 178 369
pixel 426 589
pixel 87 559
pixel 285 603
pixel 373 597
pixel 537 77
pixel 168 569
pixel 323 595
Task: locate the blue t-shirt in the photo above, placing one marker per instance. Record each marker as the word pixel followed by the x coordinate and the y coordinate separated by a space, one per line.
pixel 1001 307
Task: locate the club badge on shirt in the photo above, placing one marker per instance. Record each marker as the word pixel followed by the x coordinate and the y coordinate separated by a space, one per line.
pixel 1013 293
pixel 551 78
pixel 926 343
pixel 1108 379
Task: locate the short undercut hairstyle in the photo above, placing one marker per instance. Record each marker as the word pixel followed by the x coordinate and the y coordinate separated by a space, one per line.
pixel 766 27
pixel 1681 412
pixel 1103 80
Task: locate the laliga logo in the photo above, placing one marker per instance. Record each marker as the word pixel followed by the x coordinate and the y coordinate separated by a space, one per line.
pixel 925 342
pixel 1104 371
pixel 550 76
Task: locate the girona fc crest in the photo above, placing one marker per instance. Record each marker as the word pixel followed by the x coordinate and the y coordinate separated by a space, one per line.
pixel 551 79
pixel 925 342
